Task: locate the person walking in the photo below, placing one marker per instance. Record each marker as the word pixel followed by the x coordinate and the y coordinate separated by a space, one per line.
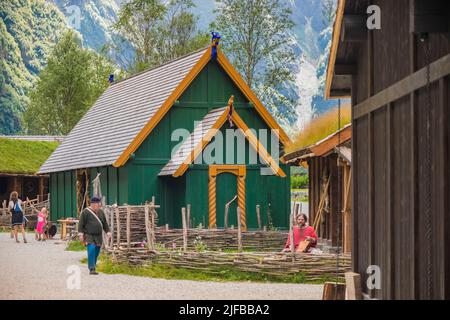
pixel 17 217
pixel 90 227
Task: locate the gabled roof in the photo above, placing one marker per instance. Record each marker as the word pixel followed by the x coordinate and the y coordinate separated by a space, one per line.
pixel 202 135
pixel 127 112
pixel 322 147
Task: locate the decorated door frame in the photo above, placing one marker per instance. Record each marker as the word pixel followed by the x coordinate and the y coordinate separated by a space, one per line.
pixel 240 172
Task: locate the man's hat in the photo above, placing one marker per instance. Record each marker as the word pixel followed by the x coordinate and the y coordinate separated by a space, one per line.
pixel 95 200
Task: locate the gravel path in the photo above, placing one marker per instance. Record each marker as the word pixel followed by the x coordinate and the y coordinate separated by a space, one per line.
pixel 38 270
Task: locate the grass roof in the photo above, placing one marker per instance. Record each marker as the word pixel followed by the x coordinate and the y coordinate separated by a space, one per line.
pixel 24 156
pixel 320 128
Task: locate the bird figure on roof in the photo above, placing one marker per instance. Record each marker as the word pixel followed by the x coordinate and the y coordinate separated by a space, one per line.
pixel 214 44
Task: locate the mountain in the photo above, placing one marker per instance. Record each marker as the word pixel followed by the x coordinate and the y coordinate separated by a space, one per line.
pixel 29 29
pixel 312 33
pixel 95 26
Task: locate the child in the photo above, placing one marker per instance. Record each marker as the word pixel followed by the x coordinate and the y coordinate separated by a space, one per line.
pixel 41 222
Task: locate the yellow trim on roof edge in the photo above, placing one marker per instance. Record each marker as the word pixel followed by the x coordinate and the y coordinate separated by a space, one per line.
pixel 205 140
pixel 258 146
pixel 143 134
pixel 237 79
pixel 334 46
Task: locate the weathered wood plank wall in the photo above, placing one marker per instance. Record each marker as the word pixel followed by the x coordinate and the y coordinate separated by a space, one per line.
pixel 390 163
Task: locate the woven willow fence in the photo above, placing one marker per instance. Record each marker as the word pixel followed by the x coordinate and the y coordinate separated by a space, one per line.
pixel 314 267
pixel 138 242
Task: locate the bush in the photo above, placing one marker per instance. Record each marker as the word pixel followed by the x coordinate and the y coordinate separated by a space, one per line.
pixel 298 182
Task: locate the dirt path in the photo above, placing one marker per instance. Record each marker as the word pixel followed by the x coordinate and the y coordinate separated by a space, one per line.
pixel 39 270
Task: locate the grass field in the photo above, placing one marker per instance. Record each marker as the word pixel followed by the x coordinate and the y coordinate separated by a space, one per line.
pixel 223 274
pixel 22 156
pixel 320 128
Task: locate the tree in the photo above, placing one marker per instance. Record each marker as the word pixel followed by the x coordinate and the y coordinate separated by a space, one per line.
pixel 159 31
pixel 256 36
pixel 70 83
pixel 328 12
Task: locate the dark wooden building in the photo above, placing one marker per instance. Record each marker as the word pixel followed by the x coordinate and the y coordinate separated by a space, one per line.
pixel 329 171
pixel 398 81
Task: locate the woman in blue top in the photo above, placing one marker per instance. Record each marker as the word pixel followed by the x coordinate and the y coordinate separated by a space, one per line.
pixel 17 219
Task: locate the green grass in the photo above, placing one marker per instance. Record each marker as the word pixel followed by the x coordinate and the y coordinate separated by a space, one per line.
pixel 299 181
pixel 22 156
pixel 75 246
pixel 222 274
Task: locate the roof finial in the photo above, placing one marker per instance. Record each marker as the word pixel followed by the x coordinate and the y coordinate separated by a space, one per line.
pixel 230 112
pixel 214 44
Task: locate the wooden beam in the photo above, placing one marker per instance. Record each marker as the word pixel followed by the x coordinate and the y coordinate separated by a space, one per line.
pixel 354 28
pixel 353 286
pixel 438 69
pixel 342 69
pixel 429 16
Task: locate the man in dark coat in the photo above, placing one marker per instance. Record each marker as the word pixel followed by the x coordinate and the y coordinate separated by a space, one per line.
pixel 90 227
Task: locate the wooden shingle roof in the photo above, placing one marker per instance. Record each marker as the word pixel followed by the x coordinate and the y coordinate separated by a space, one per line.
pixel 126 113
pixel 203 133
pixel 118 116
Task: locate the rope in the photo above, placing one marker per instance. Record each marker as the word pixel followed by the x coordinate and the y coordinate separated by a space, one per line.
pixel 428 200
pixel 338 249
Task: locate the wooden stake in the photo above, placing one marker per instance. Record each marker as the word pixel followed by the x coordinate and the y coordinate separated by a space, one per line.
pixel 118 225
pixel 112 211
pixel 225 222
pixel 128 226
pixel 183 218
pixel 353 284
pixel 291 231
pixel 189 216
pixel 239 237
pixel 147 227
pixel 167 227
pixel 258 215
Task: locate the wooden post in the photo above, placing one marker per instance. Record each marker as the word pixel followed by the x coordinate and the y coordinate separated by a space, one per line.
pixel 112 211
pixel 152 227
pixel 118 225
pixel 147 226
pixel 291 231
pixel 188 216
pixel 353 285
pixel 183 218
pixel 167 227
pixel 239 235
pixel 225 222
pixel 4 208
pixel 128 226
pixel 333 291
pixel 258 215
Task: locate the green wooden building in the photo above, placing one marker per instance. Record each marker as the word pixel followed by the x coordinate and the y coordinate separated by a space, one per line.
pixel 130 134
